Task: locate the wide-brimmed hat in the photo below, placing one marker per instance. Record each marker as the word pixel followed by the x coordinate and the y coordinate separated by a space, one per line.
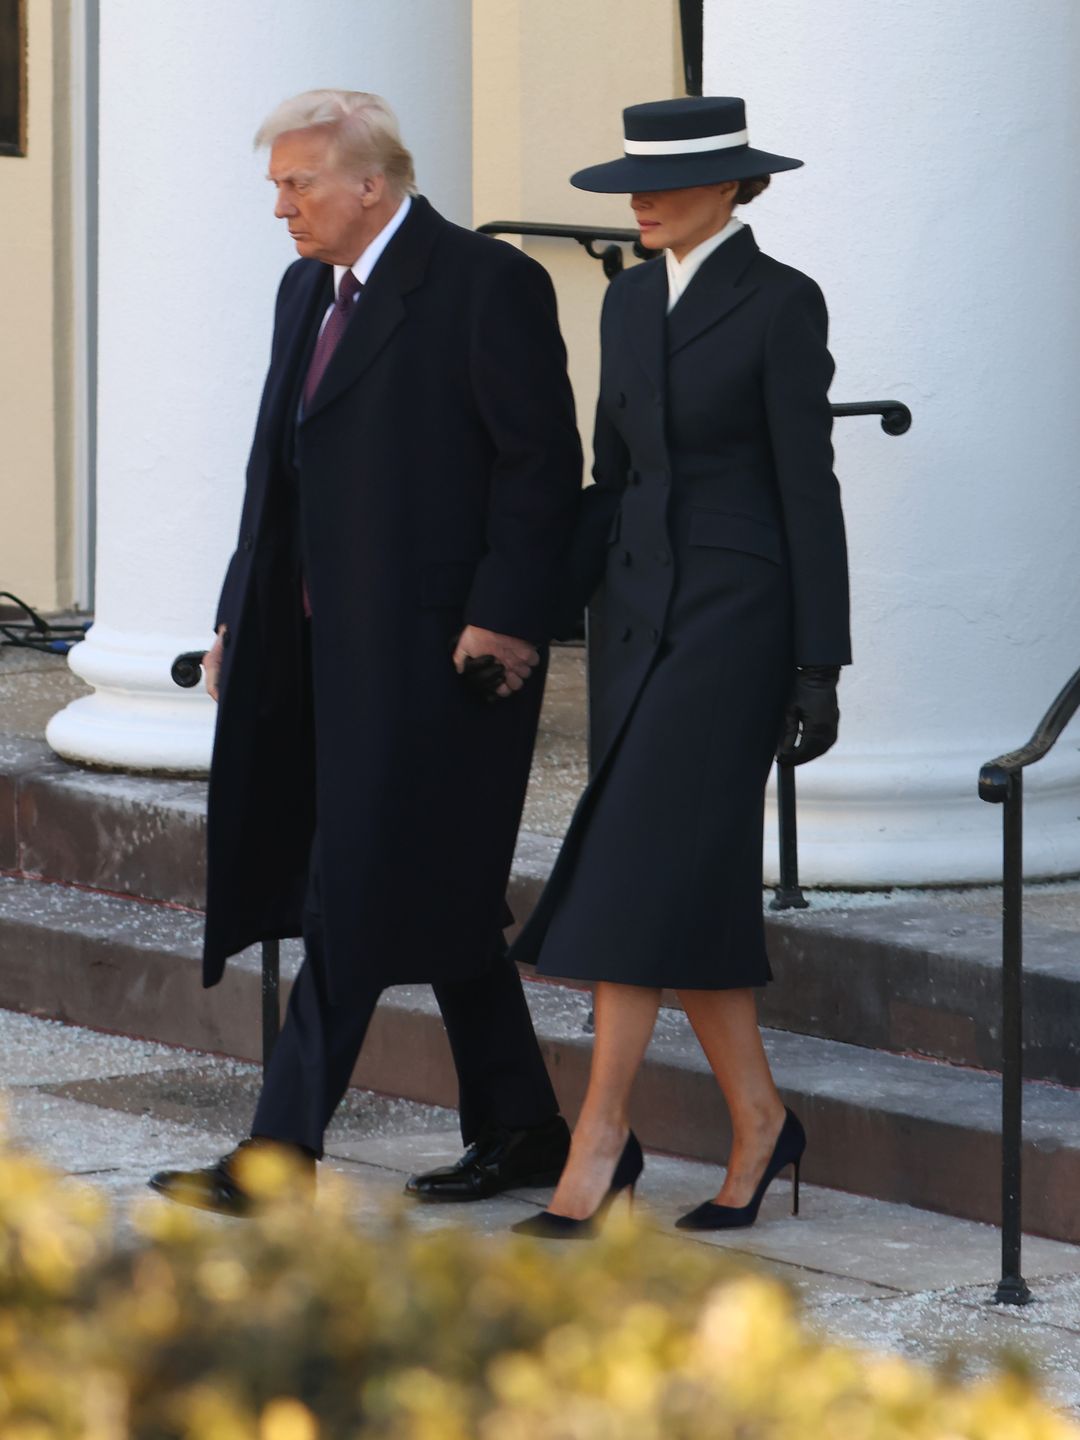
pixel 672 144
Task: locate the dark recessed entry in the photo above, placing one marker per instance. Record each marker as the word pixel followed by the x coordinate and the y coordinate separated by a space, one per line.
pixel 692 22
pixel 12 77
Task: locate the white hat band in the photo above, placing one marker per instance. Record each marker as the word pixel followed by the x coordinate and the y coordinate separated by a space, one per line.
pixel 687 147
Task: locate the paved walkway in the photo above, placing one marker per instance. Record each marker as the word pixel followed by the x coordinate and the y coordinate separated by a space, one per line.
pixel 112 1110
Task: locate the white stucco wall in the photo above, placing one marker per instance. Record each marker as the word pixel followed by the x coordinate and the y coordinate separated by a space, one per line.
pixel 938 209
pixel 190 258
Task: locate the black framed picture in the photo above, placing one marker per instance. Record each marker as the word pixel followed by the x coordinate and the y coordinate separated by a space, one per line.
pixel 12 77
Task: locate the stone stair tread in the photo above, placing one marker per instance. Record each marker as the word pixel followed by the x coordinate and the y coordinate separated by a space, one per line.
pixel 829 1069
pixel 931 927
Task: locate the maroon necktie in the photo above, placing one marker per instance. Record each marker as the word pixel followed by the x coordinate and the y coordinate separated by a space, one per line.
pixel 331 334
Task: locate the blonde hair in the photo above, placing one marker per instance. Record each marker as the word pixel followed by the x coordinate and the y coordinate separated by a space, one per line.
pixel 363 127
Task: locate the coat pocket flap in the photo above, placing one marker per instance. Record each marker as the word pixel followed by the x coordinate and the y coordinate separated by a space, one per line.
pixel 447 582
pixel 736 532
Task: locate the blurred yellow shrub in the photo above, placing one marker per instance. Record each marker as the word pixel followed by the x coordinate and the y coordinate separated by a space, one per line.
pixel 298 1326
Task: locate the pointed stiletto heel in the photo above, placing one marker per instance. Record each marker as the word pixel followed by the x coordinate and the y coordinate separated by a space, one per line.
pixel 788 1150
pixel 546 1226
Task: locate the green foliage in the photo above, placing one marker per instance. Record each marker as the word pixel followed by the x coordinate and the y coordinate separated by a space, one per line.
pixel 298 1326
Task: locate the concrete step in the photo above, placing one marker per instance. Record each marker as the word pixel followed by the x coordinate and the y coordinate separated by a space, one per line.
pixel 893 1127
pixel 142 835
pixel 127 834
pixel 921 974
pixel 905 973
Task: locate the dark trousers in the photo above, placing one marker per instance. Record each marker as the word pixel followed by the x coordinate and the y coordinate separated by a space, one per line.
pixel 502 1079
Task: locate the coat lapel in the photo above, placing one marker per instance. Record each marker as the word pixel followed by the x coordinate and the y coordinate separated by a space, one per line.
pixel 314 292
pixel 717 288
pixel 646 305
pixel 381 308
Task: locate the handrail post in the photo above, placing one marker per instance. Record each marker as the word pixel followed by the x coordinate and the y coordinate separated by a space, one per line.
pixel 1013 1288
pixel 789 895
pixel 271 998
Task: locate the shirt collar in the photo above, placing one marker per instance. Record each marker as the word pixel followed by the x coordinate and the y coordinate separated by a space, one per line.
pixel 366 263
pixel 681 272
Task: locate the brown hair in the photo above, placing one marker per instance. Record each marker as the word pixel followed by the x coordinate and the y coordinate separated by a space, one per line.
pixel 751 189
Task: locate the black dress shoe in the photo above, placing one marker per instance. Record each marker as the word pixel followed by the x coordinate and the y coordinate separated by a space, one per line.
pixel 219 1187
pixel 498 1160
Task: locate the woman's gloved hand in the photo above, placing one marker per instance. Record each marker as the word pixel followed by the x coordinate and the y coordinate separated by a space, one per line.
pixel 483 674
pixel 812 718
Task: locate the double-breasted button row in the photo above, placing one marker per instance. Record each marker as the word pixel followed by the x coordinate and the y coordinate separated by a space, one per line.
pixel 620 401
pixel 628 634
pixel 662 557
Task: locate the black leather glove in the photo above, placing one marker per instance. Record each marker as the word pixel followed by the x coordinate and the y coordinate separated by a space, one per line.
pixel 812 717
pixel 483 674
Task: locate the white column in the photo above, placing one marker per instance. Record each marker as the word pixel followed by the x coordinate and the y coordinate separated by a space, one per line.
pixel 190 258
pixel 938 209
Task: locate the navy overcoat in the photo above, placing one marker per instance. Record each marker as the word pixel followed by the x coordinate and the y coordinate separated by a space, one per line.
pixel 432 483
pixel 724 568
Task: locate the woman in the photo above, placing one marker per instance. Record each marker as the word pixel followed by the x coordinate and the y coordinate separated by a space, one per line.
pixel 721 622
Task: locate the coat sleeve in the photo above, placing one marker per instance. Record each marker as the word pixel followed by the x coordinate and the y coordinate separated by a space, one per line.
pixel 798 372
pixel 522 392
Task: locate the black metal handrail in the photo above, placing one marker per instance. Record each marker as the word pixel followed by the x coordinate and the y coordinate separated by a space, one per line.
pixel 611 257
pixel 895 415
pixel 1001 782
pixel 788 895
pixel 186 671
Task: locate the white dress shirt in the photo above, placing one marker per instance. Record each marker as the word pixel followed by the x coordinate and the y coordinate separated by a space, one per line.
pixel 366 263
pixel 681 272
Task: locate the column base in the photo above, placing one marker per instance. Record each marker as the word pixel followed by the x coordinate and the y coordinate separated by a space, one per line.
pixel 137 719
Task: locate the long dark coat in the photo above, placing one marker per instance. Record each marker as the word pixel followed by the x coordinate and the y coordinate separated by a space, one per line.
pixel 725 568
pixel 432 483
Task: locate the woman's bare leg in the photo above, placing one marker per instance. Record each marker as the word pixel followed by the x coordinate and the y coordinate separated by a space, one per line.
pixel 726 1025
pixel 625 1017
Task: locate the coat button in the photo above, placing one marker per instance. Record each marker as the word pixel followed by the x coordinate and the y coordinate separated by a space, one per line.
pixel 634 477
pixel 626 634
pixel 249 541
pixel 621 401
pixel 663 557
pixel 627 557
pixel 226 640
pixel 654 636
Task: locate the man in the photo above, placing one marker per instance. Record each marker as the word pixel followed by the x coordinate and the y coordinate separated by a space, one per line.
pixel 379 663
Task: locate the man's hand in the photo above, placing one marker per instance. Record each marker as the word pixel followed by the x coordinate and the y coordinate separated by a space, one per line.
pixel 517 657
pixel 812 718
pixel 211 663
